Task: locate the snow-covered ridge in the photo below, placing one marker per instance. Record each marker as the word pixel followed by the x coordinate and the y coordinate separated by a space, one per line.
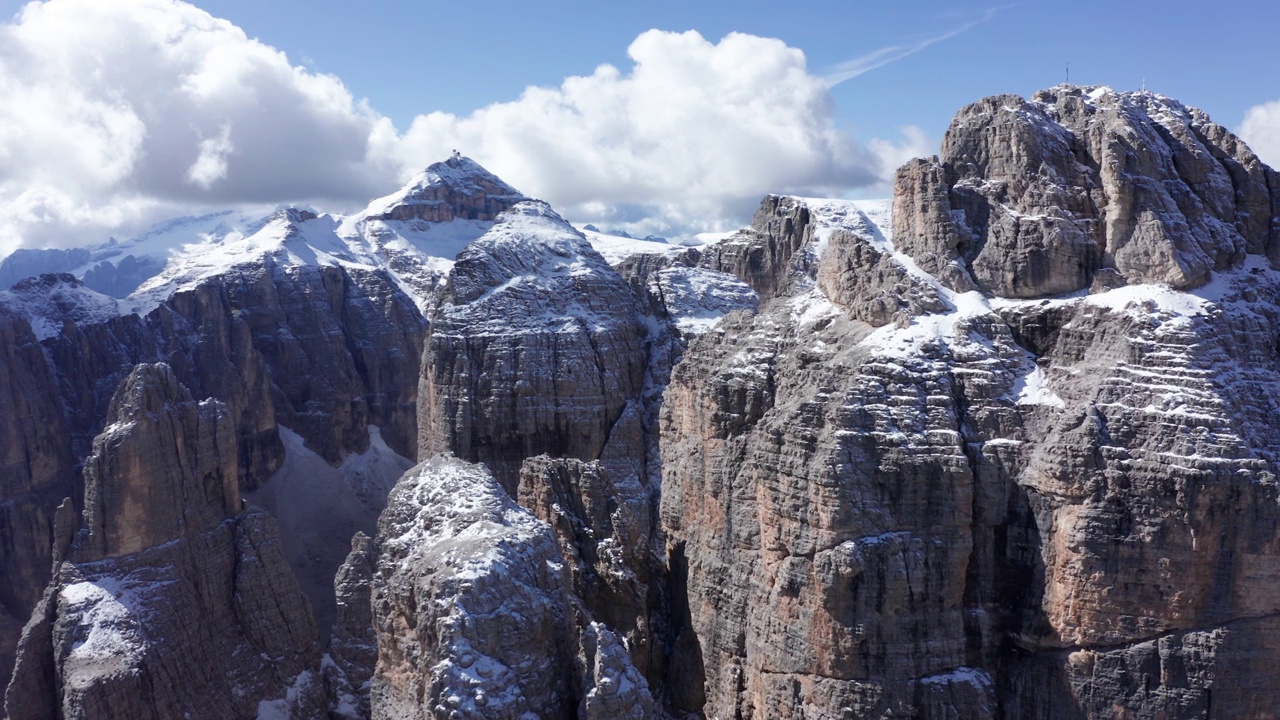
pixel 413 234
pixel 140 256
pixel 616 248
pixel 47 301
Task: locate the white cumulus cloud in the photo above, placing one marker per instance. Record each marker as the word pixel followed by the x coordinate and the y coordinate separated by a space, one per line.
pixel 117 113
pixel 693 134
pixel 1261 130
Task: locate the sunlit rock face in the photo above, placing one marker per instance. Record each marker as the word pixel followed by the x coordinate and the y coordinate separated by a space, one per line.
pixel 1034 197
pixel 905 488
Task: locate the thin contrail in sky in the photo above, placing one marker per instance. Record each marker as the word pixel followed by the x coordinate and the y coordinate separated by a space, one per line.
pixel 854 67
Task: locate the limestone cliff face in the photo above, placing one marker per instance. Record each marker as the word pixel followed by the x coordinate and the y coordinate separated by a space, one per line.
pixel 767 255
pixel 171 600
pixel 540 348
pixel 165 468
pixel 604 528
pixel 542 364
pixel 1035 197
pixel 340 347
pixel 908 491
pixel 472 605
pixel 823 505
pixel 327 352
pixel 353 646
pixel 324 351
pixel 1155 502
pixel 915 470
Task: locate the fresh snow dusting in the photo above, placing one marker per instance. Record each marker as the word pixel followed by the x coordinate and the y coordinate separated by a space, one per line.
pixel 1136 298
pixel 461 174
pixel 529 270
pixel 48 301
pixel 343 703
pixel 387 235
pixel 458 514
pixel 284 708
pixel 1093 96
pixel 707 238
pixel 152 248
pixel 871 219
pixel 812 307
pixel 891 341
pixel 452 533
pixel 963 675
pixel 698 298
pixel 294 238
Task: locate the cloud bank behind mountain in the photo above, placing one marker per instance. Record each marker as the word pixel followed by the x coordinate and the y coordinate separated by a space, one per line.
pixel 119 114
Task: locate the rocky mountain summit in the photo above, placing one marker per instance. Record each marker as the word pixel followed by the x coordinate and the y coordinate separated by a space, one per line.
pixel 1002 447
pixel 1046 196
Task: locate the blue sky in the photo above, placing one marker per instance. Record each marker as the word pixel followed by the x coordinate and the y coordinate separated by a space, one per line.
pixel 414 57
pixel 119 114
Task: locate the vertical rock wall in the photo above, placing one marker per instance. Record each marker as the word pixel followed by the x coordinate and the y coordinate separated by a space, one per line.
pixel 171 601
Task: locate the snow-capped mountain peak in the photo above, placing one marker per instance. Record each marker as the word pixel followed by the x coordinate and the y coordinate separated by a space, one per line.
pixel 455 188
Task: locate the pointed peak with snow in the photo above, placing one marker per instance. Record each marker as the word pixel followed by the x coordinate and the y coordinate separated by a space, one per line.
pixel 457 188
pixel 460 171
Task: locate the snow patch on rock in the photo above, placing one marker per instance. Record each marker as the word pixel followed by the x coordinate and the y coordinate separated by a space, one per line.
pixel 113 615
pixel 1033 389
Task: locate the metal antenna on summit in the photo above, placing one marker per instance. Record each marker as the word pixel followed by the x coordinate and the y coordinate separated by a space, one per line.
pixel 1068 73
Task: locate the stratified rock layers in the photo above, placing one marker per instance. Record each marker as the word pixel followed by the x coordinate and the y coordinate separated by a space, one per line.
pixel 539 364
pixel 946 503
pixel 541 349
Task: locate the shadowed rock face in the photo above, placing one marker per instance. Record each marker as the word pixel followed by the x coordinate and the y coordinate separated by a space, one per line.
pixel 171 600
pixel 325 351
pixel 36 468
pixel 1031 198
pixel 165 468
